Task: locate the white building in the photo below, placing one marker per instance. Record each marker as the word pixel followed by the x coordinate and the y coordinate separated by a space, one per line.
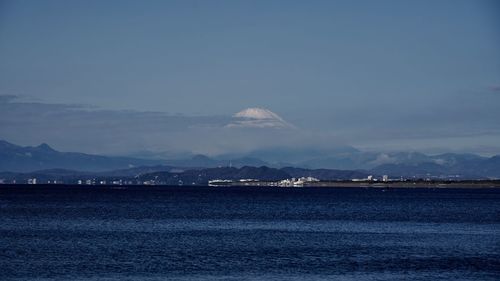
pixel 297 182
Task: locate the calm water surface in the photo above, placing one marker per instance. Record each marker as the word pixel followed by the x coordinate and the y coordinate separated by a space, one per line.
pixel 187 233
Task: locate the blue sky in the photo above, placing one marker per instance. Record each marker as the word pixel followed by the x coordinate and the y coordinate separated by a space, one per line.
pixel 417 75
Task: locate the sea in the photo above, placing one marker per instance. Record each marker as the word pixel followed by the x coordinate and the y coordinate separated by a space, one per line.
pixel 248 233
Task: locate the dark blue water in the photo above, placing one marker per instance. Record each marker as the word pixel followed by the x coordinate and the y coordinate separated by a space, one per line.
pixel 183 233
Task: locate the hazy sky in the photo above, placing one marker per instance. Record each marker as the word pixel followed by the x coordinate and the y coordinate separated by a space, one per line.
pixel 160 75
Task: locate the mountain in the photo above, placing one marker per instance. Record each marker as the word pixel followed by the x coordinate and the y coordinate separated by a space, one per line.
pixel 258 118
pixel 198 160
pixel 395 164
pixel 16 158
pixel 333 163
pixel 355 159
pixel 202 176
pixel 173 176
pixel 302 156
pixel 203 161
pixel 325 174
pixel 243 161
pixel 137 171
pixel 449 165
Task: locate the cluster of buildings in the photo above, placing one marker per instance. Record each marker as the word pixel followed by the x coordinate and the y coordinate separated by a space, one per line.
pixel 371 178
pixel 254 182
pixel 101 182
pixel 115 182
pixel 292 182
pixel 32 181
pixel 297 181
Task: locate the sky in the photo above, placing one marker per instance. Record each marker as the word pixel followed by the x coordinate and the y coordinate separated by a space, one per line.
pixel 117 77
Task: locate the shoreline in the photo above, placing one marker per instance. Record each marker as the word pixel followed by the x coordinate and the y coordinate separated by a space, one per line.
pixel 414 185
pixel 322 184
pixel 349 184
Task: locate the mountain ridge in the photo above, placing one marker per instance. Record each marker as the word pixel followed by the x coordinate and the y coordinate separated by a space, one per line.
pixel 21 159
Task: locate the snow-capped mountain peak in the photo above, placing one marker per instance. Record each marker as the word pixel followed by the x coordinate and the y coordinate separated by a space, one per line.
pixel 258 118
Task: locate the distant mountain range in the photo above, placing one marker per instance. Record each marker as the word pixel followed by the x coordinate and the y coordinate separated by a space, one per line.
pixel 460 168
pixel 334 163
pixel 175 176
pixel 16 158
pixel 395 164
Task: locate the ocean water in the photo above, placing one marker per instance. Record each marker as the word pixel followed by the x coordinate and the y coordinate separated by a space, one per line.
pixel 202 233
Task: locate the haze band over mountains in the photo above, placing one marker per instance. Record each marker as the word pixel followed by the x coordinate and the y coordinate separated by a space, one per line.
pixel 341 164
pixel 105 131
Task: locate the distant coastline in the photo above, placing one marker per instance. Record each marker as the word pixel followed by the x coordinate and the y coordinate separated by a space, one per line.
pixel 469 184
pixel 391 184
pixel 417 184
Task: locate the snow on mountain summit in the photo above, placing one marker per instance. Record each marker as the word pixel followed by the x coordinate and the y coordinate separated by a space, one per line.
pixel 258 113
pixel 258 118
